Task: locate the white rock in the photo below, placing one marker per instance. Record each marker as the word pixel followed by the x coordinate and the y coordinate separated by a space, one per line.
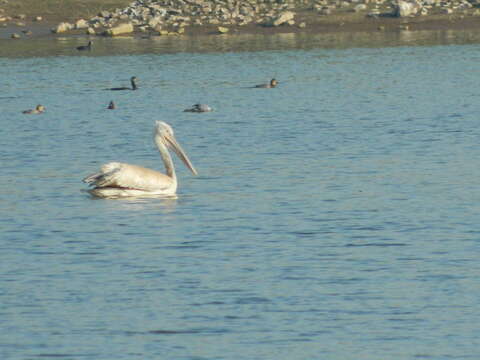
pixel 81 24
pixel 154 21
pixel 360 7
pixel 404 9
pixel 222 30
pixel 120 29
pixel 62 27
pixel 283 18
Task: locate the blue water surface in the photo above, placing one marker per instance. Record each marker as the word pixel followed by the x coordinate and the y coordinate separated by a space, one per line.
pixel 334 217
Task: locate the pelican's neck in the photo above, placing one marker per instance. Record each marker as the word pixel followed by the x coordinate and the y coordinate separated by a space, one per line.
pixel 167 159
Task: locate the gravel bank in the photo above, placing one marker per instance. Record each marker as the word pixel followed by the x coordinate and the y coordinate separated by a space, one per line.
pixel 200 17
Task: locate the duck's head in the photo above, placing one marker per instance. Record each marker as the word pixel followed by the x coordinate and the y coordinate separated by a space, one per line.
pixel 273 82
pixel 40 108
pixel 133 81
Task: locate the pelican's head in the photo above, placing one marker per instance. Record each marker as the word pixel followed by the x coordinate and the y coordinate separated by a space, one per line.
pixel 164 134
pixel 162 129
pixel 273 82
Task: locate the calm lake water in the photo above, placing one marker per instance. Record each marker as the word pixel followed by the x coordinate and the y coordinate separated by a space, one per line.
pixel 334 217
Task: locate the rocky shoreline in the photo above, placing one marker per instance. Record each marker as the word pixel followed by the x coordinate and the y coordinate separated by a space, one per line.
pixel 189 17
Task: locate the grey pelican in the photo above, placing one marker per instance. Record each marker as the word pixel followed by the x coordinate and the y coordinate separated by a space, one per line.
pixel 271 84
pixel 85 47
pixel 123 180
pixel 199 108
pixel 38 110
pixel 133 81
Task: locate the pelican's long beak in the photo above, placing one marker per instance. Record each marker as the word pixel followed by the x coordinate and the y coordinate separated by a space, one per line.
pixel 175 146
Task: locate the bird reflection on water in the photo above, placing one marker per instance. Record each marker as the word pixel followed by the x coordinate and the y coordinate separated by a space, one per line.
pixel 45 47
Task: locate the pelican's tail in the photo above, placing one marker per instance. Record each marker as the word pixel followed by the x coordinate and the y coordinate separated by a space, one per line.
pixel 90 179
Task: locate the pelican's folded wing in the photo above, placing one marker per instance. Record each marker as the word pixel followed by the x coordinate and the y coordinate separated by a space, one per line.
pixel 128 176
